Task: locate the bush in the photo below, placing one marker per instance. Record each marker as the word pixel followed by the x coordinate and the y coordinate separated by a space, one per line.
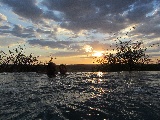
pixel 16 60
pixel 129 56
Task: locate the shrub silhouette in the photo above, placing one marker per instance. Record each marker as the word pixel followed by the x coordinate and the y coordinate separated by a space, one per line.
pixel 127 56
pixel 16 60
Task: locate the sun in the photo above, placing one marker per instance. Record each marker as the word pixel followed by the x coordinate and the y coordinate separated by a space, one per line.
pixel 97 53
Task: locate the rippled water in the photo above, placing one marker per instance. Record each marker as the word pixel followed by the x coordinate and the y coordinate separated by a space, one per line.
pixel 80 96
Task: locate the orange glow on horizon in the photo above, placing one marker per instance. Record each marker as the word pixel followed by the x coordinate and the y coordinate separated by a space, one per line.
pixel 68 60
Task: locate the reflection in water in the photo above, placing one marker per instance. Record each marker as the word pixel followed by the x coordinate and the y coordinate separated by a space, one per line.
pixel 100 74
pixel 80 95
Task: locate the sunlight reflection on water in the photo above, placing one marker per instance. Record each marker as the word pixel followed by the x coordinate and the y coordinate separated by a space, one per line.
pixel 80 95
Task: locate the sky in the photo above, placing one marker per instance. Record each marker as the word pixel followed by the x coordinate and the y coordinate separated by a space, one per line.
pixel 75 31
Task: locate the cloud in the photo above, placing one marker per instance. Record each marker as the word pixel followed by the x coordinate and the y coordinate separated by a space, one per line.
pixel 77 15
pixel 51 44
pixel 65 48
pixel 18 31
pixel 4 27
pixel 150 27
pixel 139 12
pixel 99 14
pixel 99 46
pixel 71 45
pixel 9 41
pixel 3 17
pixel 25 8
pixel 52 15
pixel 29 9
pixel 43 31
pixel 80 22
pixel 66 54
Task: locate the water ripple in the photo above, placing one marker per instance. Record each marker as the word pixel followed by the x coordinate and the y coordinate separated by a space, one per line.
pixel 80 95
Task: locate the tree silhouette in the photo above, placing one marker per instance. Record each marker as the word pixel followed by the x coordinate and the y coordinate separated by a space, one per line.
pixel 18 60
pixel 128 55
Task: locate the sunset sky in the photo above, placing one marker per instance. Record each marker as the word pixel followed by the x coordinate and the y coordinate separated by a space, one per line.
pixel 74 31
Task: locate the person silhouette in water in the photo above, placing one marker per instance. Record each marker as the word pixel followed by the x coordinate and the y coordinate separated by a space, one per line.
pixel 62 69
pixel 51 70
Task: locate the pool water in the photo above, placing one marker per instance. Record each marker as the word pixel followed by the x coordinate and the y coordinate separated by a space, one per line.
pixel 80 96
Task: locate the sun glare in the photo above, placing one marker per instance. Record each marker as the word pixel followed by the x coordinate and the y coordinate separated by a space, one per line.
pixel 97 54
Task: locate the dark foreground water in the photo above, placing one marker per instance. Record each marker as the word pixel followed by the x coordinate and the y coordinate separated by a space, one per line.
pixel 80 96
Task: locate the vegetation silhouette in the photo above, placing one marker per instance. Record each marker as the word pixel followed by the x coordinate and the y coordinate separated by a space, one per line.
pixel 128 56
pixel 62 69
pixel 51 69
pixel 17 61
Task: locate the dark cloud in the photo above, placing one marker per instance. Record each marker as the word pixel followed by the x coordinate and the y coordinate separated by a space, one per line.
pixel 105 15
pixel 4 27
pixel 51 15
pixel 43 31
pixel 149 29
pixel 51 44
pixel 71 47
pixel 139 12
pixel 29 9
pixel 25 8
pixel 19 31
pixel 98 18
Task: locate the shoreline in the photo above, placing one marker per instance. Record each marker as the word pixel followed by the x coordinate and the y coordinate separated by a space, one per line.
pixel 74 68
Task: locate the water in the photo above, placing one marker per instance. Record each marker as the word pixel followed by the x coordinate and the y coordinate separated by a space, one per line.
pixel 80 96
